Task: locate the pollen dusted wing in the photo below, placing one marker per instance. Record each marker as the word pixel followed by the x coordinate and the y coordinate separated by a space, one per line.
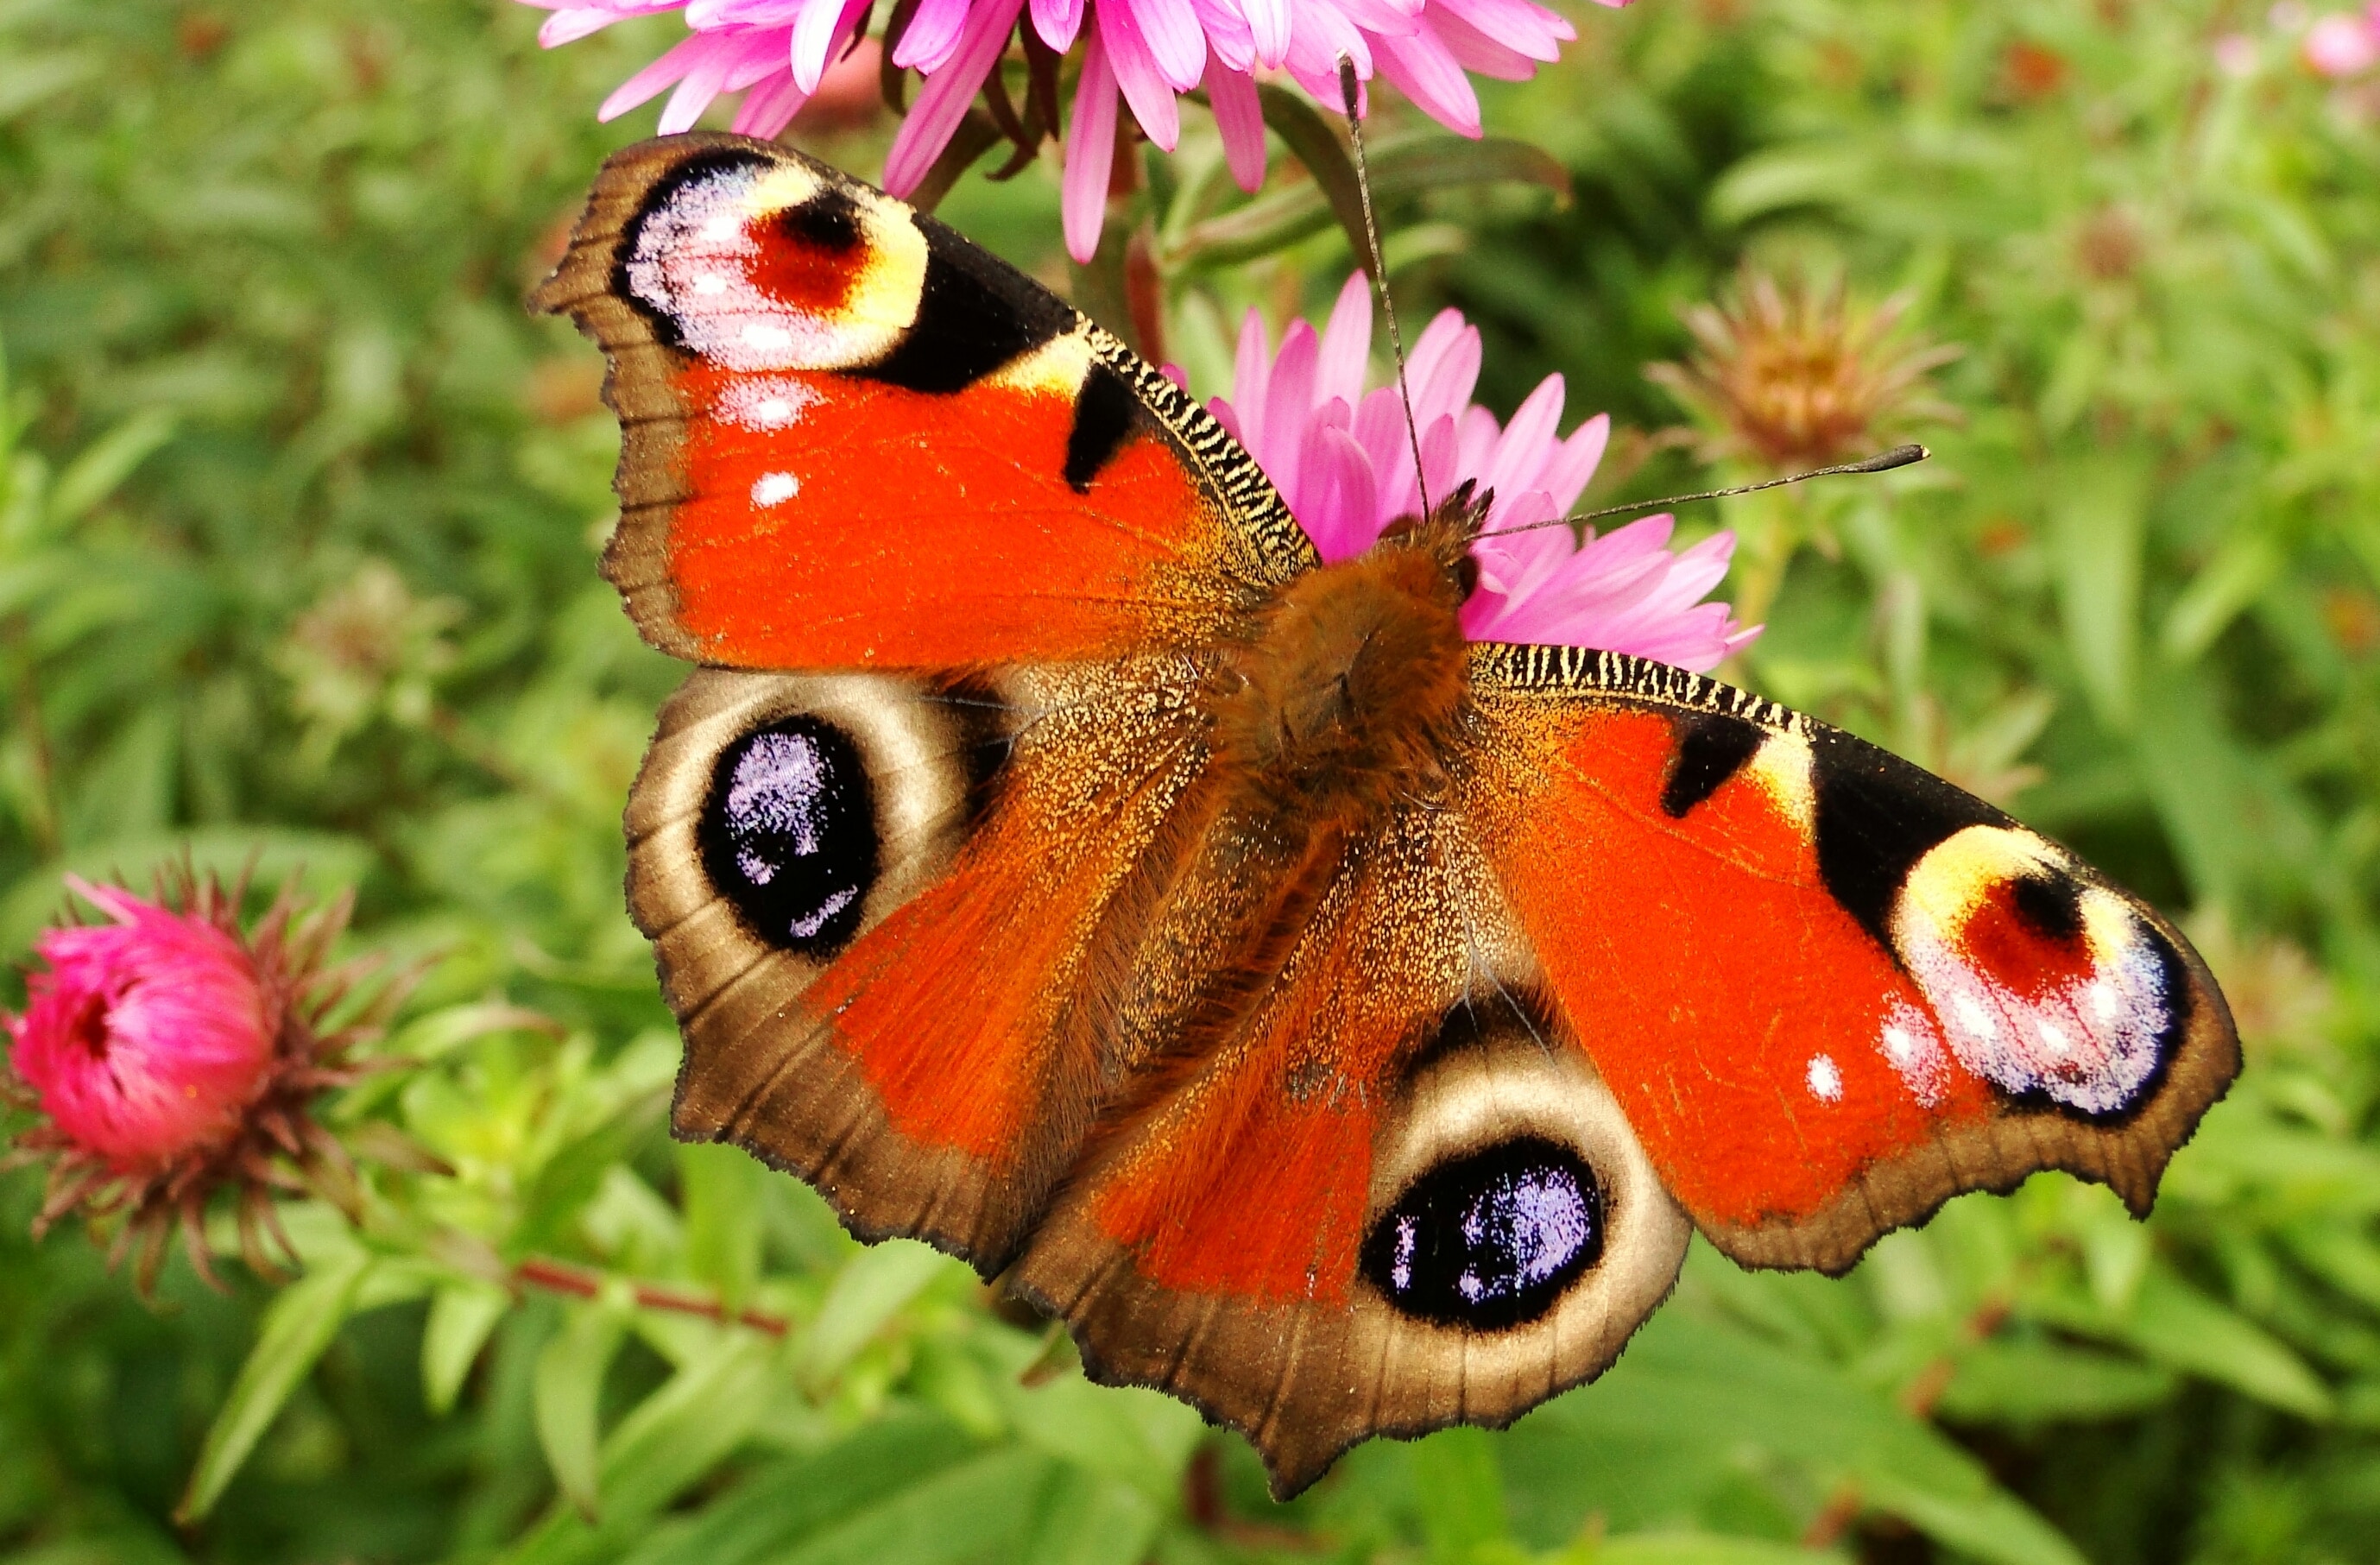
pixel 874 899
pixel 1390 1197
pixel 853 440
pixel 1830 990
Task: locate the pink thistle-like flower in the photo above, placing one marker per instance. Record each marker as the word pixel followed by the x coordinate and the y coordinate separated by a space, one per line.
pixel 1143 54
pixel 2343 43
pixel 170 1055
pixel 1342 459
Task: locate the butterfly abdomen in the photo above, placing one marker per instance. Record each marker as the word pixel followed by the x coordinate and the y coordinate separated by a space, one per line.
pixel 1347 699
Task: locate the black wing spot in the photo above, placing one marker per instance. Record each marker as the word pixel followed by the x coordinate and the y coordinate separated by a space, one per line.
pixel 975 313
pixel 1104 411
pixel 1492 1240
pixel 1711 748
pixel 788 834
pixel 1876 817
pixel 827 221
pixel 2051 906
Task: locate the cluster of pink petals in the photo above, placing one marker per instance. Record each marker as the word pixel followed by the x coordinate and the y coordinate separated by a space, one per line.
pixel 1343 459
pixel 2343 43
pixel 1143 54
pixel 146 1037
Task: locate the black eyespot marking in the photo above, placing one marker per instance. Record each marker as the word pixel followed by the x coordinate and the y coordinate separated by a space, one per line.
pixel 826 222
pixel 974 315
pixel 1492 1240
pixel 1876 817
pixel 788 834
pixel 1103 415
pixel 1711 748
pixel 2051 907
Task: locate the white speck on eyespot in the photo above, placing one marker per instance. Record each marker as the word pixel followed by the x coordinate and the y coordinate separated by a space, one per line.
pixel 709 283
pixel 1899 1045
pixel 2104 1003
pixel 766 339
pixel 1974 1018
pixel 2054 1038
pixel 720 229
pixel 1826 1079
pixel 774 489
pixel 772 413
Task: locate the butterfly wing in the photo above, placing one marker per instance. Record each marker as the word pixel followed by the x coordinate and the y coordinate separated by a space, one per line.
pixel 1830 990
pixel 1393 1194
pixel 853 440
pixel 855 445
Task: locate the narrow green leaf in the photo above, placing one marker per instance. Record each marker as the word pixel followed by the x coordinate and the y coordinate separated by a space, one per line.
pixel 2097 515
pixel 2234 578
pixel 2040 1383
pixel 977 1510
pixel 106 463
pixel 298 1326
pixel 1461 1492
pixel 1311 141
pixel 1693 1548
pixel 722 1194
pixel 2177 1324
pixel 461 1317
pixel 871 1288
pixel 569 1387
pixel 1088 1519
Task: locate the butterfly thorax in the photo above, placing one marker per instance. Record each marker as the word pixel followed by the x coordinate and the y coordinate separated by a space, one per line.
pixel 1348 697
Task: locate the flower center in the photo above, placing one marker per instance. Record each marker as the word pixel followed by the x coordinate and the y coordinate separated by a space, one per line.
pixel 88 1027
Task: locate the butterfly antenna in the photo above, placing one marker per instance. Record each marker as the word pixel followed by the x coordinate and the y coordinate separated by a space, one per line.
pixel 1348 94
pixel 1882 462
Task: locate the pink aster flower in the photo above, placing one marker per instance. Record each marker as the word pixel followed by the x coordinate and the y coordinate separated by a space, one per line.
pixel 2343 43
pixel 169 1056
pixel 1342 460
pixel 1142 54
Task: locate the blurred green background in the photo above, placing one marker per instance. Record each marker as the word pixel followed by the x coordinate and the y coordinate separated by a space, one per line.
pixel 298 514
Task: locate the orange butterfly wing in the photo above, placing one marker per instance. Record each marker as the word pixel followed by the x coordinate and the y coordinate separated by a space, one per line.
pixel 1830 989
pixel 851 439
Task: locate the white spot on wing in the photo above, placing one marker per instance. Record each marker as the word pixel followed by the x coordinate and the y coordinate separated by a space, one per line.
pixel 774 489
pixel 1826 1079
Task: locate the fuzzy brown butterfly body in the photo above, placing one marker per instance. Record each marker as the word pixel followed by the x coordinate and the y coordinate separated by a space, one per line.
pixel 1341 1026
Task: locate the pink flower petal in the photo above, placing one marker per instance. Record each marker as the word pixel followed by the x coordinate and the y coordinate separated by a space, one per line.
pixel 1422 70
pixel 1177 45
pixel 932 38
pixel 1144 86
pixel 943 100
pixel 770 107
pixel 1239 119
pixel 1090 154
pixel 1058 22
pixel 1268 24
pixel 1346 343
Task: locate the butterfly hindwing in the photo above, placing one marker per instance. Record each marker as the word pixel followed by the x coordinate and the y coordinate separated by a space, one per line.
pixel 1387 1196
pixel 1830 990
pixel 875 898
pixel 853 440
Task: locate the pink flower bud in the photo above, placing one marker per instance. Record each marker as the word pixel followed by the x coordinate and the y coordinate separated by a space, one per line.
pixel 2340 45
pixel 147 1037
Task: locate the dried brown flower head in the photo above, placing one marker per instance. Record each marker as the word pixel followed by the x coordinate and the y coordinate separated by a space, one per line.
pixel 1786 377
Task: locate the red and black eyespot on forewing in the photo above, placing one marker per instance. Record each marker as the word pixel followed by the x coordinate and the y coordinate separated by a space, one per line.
pixel 1829 989
pixel 854 439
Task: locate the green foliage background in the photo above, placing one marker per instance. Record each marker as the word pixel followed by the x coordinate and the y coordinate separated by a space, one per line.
pixel 298 524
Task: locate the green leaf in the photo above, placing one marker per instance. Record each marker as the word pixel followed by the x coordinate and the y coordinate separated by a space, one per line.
pixel 2042 1383
pixel 1407 166
pixel 298 1326
pixel 871 1289
pixel 2235 577
pixel 1693 1548
pixel 1089 1519
pixel 1312 142
pixel 2177 1324
pixel 569 1386
pixel 723 1191
pixel 462 1315
pixel 979 1510
pixel 1461 1492
pixel 106 463
pixel 2097 513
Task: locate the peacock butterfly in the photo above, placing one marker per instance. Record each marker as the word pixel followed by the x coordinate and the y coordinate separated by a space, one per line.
pixel 1340 1025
